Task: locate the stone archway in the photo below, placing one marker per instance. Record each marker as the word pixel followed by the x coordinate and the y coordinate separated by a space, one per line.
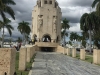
pixel 46 38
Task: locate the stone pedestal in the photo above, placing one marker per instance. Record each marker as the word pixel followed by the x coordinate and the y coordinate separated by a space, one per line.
pixel 7 61
pixel 32 51
pixel 29 49
pixel 82 54
pixel 68 51
pixel 74 52
pixel 96 56
pixel 65 51
pixel 22 59
pixel 60 49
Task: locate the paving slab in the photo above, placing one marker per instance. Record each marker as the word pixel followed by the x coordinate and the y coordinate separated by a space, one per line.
pixel 59 64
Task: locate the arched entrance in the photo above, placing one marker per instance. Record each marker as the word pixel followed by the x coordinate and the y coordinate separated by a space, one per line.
pixel 46 38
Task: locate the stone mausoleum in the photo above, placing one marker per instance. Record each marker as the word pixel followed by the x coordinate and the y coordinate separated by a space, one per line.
pixel 46 21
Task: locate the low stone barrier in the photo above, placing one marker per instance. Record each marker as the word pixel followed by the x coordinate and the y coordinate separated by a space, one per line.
pixel 73 52
pixel 82 54
pixel 60 49
pixel 22 59
pixel 33 51
pixel 30 52
pixel 7 61
pixel 96 56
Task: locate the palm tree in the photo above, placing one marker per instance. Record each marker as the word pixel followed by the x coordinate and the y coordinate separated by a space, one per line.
pixel 24 29
pixel 88 23
pixel 6 24
pixel 5 8
pixel 74 36
pixel 97 4
pixel 65 25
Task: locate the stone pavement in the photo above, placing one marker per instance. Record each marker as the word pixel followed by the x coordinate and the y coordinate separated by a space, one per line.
pixel 59 64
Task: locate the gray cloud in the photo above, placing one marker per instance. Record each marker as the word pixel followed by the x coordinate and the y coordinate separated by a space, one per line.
pixel 71 9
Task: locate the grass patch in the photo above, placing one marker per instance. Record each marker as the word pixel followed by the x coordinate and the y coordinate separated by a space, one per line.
pixel 28 65
pixel 77 56
pixel 89 59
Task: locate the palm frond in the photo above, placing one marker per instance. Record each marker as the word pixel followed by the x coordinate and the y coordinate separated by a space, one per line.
pixel 10 11
pixel 94 3
pixel 11 2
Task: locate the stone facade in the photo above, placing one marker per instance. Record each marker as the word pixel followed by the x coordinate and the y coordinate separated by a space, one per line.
pixel 46 20
pixel 7 61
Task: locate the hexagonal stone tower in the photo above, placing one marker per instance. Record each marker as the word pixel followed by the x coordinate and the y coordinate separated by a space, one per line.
pixel 46 21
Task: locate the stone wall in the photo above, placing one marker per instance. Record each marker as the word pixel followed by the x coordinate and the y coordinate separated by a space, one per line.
pixel 7 61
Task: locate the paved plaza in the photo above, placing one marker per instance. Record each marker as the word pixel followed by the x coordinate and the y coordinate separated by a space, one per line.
pixel 59 64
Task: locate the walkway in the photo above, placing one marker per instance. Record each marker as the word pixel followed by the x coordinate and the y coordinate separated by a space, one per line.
pixel 59 64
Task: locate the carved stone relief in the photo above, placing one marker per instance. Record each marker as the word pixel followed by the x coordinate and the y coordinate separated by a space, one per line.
pixel 40 22
pixel 55 23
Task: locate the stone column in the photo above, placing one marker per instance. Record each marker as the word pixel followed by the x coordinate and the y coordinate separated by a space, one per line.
pixel 7 61
pixel 96 56
pixel 42 3
pixel 68 51
pixel 22 59
pixel 73 52
pixel 82 54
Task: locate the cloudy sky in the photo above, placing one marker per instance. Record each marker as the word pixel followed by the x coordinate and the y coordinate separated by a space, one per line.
pixel 71 9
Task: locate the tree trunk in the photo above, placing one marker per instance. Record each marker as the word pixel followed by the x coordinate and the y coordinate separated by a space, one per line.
pixel 3 38
pixel 90 41
pixel 23 40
